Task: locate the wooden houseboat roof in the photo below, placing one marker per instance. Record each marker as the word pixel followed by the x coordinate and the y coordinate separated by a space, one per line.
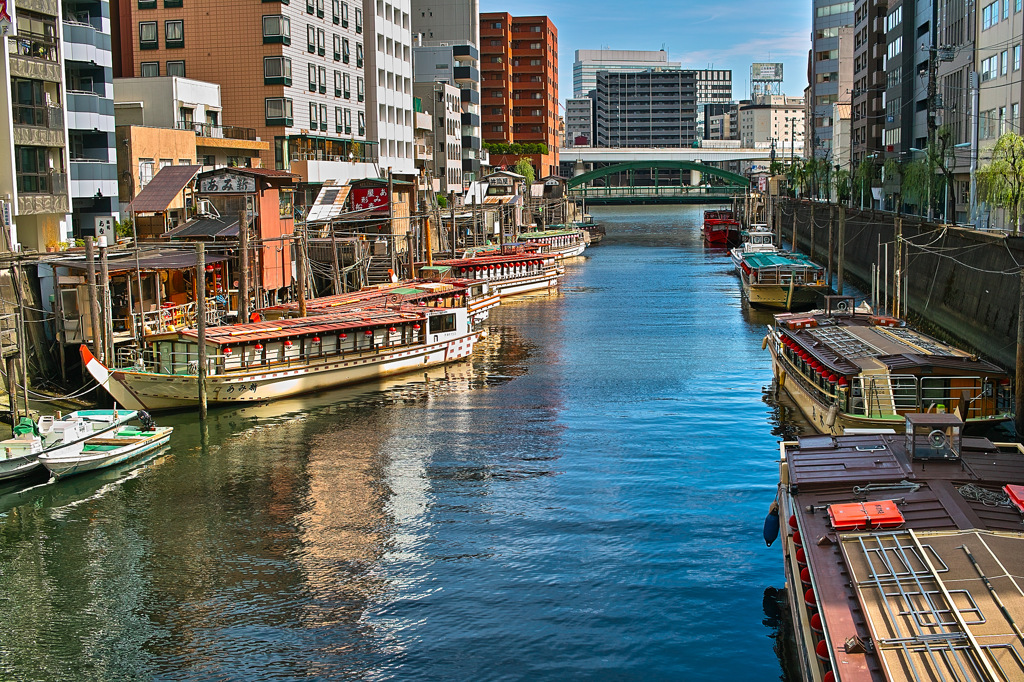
pixel 539 234
pixel 906 603
pixel 402 292
pixel 276 330
pixel 495 259
pixel 854 343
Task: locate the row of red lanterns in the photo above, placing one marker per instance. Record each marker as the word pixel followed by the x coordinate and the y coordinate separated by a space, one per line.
pixel 316 339
pixel 813 363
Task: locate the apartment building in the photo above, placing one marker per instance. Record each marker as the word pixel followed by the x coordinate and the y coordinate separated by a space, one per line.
pixel 579 122
pixel 867 112
pixel 714 86
pixel 33 144
pixel 88 62
pixel 589 62
pixel 441 102
pixel 908 45
pixel 767 118
pixel 830 70
pixel 389 76
pixel 310 103
pixel 519 79
pixel 453 25
pixel 955 37
pixel 998 61
pixel 646 109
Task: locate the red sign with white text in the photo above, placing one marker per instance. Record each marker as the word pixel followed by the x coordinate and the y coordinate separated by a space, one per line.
pixel 373 199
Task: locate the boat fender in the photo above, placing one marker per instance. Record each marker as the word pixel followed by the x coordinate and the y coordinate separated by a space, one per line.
pixel 771 525
pixel 764 343
pixel 830 418
pixel 782 377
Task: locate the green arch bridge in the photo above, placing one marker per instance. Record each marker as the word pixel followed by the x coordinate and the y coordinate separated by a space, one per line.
pixel 653 189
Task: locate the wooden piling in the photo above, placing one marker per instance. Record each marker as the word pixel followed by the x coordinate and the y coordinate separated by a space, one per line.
pixel 12 387
pixel 451 203
pixel 201 323
pixel 335 264
pixel 831 220
pixel 243 266
pixel 300 262
pixel 94 303
pixel 108 322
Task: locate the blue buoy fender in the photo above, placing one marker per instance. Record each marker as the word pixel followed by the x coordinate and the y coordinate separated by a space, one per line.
pixel 771 525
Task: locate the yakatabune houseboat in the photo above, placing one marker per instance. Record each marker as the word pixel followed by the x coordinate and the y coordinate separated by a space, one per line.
pixel 904 554
pixel 848 369
pixel 269 360
pixel 783 281
pixel 508 271
pixel 721 228
pixel 565 243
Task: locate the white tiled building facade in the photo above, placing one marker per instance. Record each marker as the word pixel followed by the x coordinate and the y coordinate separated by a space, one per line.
pixel 389 86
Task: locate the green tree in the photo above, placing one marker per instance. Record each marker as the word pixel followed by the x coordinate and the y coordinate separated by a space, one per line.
pixel 1001 182
pixel 524 168
pixel 864 179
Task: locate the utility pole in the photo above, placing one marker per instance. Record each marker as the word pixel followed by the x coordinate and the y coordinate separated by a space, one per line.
pixel 451 202
pixel 243 267
pixel 301 273
pixel 108 323
pixel 841 256
pixel 334 259
pixel 975 105
pixel 94 304
pixel 1019 392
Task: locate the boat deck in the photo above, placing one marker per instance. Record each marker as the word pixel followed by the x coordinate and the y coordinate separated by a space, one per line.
pixel 778 260
pixel 919 606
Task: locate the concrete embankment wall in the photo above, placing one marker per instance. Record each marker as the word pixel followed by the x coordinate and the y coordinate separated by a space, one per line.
pixel 964 285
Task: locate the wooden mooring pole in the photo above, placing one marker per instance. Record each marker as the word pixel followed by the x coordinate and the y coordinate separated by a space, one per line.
pixel 201 323
pixel 1019 387
pixel 243 266
pixel 300 271
pixel 94 302
pixel 841 251
pixel 108 322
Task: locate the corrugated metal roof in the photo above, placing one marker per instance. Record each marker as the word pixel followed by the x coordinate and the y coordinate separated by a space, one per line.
pixel 163 260
pixel 159 192
pixel 204 227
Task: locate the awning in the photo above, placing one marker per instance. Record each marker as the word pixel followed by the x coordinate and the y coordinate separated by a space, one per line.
pixel 208 228
pixel 159 192
pixel 330 203
pixel 148 262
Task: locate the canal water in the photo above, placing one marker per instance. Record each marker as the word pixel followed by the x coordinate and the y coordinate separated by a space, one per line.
pixel 581 500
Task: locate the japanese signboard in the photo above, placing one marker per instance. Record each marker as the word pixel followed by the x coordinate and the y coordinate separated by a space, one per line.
pixel 766 71
pixel 227 182
pixel 496 180
pixel 373 198
pixel 104 225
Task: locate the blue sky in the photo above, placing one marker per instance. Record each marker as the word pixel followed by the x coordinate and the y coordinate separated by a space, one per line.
pixel 727 34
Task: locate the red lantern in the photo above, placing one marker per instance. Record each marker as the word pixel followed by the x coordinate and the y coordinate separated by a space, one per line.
pixel 342 336
pixel 209 268
pixel 416 327
pixel 368 332
pixel 258 346
pixel 316 339
pixel 288 343
pixel 842 381
pixel 392 330
pixel 217 266
pixel 227 351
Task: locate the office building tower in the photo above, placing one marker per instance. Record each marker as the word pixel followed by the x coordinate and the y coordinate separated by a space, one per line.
pixel 830 71
pixel 589 62
pixel 646 109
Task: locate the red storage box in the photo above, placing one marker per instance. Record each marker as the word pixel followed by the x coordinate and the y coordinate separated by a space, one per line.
pixel 865 515
pixel 1016 493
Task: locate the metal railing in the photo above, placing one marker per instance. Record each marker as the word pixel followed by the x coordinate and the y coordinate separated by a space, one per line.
pixel 217 131
pixel 366 157
pixel 39 116
pixel 52 182
pixel 889 394
pixel 173 318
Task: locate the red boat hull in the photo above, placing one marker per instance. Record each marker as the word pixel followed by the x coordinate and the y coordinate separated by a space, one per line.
pixel 721 233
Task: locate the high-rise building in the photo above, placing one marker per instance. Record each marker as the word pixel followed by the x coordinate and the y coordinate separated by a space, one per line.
pixel 714 86
pixel 33 146
pixel 955 36
pixel 722 121
pixel 768 118
pixel 519 78
pixel 646 109
pixel 442 104
pixel 907 46
pixel 88 73
pixel 1000 25
pixel 589 62
pixel 579 121
pixel 447 37
pixel 830 70
pixel 867 112
pixel 314 102
pixel 389 83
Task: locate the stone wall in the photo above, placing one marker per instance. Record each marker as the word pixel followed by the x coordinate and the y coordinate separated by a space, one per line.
pixel 964 285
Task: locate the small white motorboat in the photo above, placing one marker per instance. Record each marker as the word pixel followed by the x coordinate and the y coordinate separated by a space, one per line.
pixel 112 446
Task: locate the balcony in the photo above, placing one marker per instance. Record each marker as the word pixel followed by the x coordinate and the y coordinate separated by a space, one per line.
pixel 216 131
pixel 89 111
pixel 43 193
pixel 93 177
pixel 464 53
pixel 466 74
pixel 472 96
pixel 472 120
pixel 84 43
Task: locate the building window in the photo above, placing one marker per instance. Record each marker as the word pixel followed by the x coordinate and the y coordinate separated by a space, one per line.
pixel 322 79
pixel 321 42
pixel 323 117
pixel 176 68
pixel 337 83
pixel 145 172
pixel 347 86
pixel 990 15
pixel 362 124
pixel 344 15
pixel 1016 57
pixel 172 3
pixel 309 6
pixel 359 20
pixel 312 77
pixel 33 170
pixel 149 69
pixel 320 8
pixel 337 47
pixel 147 4
pixel 348 121
pixel 310 38
pixel 312 116
pixel 149 39
pixel 174 33
pixel 279 111
pixel 359 88
pixel 335 14
pixel 277 29
pixel 990 68
pixel 277 71
pixel 359 54
pixel 345 50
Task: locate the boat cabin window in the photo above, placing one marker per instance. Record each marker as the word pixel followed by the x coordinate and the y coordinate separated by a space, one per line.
pixel 442 323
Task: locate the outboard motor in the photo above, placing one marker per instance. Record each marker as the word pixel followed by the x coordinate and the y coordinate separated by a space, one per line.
pixel 147 422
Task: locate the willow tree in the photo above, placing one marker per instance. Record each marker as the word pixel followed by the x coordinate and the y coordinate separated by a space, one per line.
pixel 525 168
pixel 1001 182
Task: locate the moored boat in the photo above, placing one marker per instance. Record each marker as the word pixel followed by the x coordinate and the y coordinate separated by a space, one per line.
pixel 560 243
pixel 902 554
pixel 264 361
pixel 509 272
pixel 780 280
pixel 122 444
pixel 844 368
pixel 721 228
pixel 20 454
pixel 758 239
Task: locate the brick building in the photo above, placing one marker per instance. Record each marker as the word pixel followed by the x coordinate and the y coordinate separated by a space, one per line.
pixel 519 83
